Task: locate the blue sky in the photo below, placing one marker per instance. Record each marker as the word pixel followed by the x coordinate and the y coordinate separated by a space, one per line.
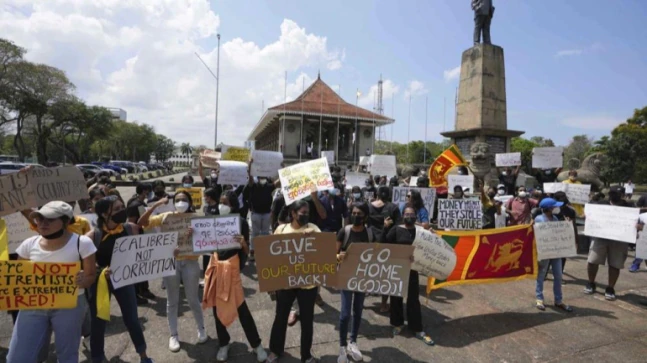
pixel 572 67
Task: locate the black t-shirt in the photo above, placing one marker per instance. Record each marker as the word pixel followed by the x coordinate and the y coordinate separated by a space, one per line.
pixel 377 215
pixel 104 250
pixel 244 231
pixel 369 193
pixel 211 210
pixel 213 183
pixel 260 198
pixel 358 237
pixel 508 181
pixel 401 235
pixel 542 177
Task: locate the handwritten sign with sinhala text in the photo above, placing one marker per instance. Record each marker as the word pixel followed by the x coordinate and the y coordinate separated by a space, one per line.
pixel 432 256
pixel 555 240
pixel 215 233
pixel 38 285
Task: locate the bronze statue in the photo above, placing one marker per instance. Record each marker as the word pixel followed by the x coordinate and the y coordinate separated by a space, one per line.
pixel 483 13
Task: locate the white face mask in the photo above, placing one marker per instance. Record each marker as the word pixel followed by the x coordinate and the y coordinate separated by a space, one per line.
pixel 500 192
pixel 181 206
pixel 504 173
pixel 556 210
pixel 523 194
pixel 214 175
pixel 224 209
pixel 262 181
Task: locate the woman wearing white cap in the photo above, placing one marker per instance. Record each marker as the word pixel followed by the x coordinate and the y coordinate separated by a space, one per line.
pixel 54 244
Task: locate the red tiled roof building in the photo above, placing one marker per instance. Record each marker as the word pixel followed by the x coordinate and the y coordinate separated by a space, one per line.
pixel 320 120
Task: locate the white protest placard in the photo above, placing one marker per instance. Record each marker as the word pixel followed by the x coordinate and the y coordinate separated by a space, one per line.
pixel 232 172
pixel 266 163
pixel 428 195
pixel 383 165
pixel 413 182
pixel 578 193
pixel 215 233
pixel 142 257
pixel 552 188
pixel 611 222
pixel 298 181
pixel 465 181
pixel 92 219
pixel 547 157
pixel 460 214
pixel 508 159
pixel 354 179
pixel 555 240
pixel 329 155
pixel 18 230
pixel 364 160
pixel 432 256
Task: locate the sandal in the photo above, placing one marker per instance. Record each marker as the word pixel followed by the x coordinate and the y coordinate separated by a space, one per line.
pixel 540 305
pixel 397 330
pixel 425 338
pixel 564 307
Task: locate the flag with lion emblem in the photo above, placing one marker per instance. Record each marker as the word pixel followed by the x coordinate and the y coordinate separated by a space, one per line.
pixel 492 255
pixel 443 164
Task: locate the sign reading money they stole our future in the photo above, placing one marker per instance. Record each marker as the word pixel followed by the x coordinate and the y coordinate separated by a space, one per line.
pixel 460 214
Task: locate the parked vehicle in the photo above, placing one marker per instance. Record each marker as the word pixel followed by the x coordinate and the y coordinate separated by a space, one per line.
pixel 117 169
pixel 142 166
pixel 97 169
pixel 8 167
pixel 124 164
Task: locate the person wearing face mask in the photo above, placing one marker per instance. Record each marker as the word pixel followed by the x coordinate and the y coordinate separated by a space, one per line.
pixel 224 270
pixel 187 181
pixel 508 178
pixel 369 191
pixel 607 251
pixel 55 243
pixel 111 225
pixel 336 211
pixel 305 296
pixel 422 214
pixel 520 208
pixel 572 179
pixel 95 195
pixel 546 175
pixel 406 234
pixel 488 206
pixel 458 193
pixel 211 180
pixel 187 272
pixel 355 195
pixel 143 192
pixel 549 208
pixel 159 191
pixel 260 204
pixel 134 210
pixel 356 232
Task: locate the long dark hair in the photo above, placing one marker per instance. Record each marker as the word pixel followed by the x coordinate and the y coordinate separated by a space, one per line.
pixel 232 198
pixel 416 200
pixel 296 206
pixel 362 206
pixel 104 205
pixel 191 209
pixel 384 194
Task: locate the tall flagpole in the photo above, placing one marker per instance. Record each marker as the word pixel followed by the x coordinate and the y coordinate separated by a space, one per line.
pixel 424 152
pixel 409 128
pixel 373 144
pixel 338 114
pixel 320 119
pixel 303 88
pixel 356 134
pixel 393 117
pixel 285 101
pixel 444 112
pixel 215 134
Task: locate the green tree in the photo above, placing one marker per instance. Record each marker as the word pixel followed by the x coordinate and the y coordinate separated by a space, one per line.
pixel 627 147
pixel 579 147
pixel 164 148
pixel 524 146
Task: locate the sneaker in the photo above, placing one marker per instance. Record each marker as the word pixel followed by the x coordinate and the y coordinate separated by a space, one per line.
pixel 173 344
pixel 146 294
pixel 343 355
pixel 223 353
pixel 610 294
pixel 354 352
pixel 201 283
pixel 261 354
pixel 202 336
pixel 634 267
pixel 590 288
pixel 293 317
pixel 141 301
pixel 86 343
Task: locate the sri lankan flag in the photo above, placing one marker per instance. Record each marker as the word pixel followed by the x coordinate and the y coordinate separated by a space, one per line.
pixel 443 163
pixel 491 255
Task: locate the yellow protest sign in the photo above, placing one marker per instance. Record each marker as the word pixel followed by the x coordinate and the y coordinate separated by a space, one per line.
pixel 196 195
pixel 38 285
pixel 235 153
pixel 298 181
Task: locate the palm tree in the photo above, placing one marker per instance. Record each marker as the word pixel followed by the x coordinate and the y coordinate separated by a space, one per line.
pixel 186 149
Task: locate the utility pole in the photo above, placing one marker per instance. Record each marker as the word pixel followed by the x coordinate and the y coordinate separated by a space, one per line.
pixel 217 78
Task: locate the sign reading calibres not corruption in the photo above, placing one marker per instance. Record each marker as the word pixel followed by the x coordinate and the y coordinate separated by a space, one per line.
pixel 38 285
pixel 298 181
pixel 460 214
pixel 288 261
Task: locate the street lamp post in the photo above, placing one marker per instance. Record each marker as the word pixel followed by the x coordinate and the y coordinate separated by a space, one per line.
pixel 217 77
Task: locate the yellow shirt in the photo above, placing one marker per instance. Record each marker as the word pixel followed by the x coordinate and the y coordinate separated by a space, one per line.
pixel 579 208
pixel 287 228
pixel 158 221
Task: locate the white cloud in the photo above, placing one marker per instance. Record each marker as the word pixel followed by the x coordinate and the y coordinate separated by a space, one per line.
pixel 593 122
pixel 568 52
pixel 139 56
pixel 595 47
pixel 368 99
pixel 416 88
pixel 452 74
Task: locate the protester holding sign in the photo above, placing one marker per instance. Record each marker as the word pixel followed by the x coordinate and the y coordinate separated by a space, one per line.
pixel 406 234
pixel 520 207
pixel 112 225
pixel 422 214
pixel 572 179
pixel 224 270
pixel 260 203
pixel 210 181
pixel 550 207
pixel 55 243
pixel 305 296
pixel 187 272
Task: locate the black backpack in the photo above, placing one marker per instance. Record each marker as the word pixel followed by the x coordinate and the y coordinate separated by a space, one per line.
pixel 371 236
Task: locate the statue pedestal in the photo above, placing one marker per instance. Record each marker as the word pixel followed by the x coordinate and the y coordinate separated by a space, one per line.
pixel 481 114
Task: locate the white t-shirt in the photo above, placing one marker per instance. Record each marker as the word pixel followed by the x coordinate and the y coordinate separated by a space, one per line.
pixel 30 249
pixel 629 188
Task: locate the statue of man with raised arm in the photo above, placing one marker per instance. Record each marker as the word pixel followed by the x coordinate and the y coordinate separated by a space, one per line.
pixel 483 13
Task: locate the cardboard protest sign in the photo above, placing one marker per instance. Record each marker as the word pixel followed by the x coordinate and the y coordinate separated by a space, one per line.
pixel 460 214
pixel 508 159
pixel 555 240
pixel 329 155
pixel 552 188
pixel 38 285
pixel 611 222
pixel 180 223
pixel 354 179
pixel 465 181
pixel 232 172
pixel 210 158
pixel 266 163
pixel 376 269
pixel 383 165
pixel 18 230
pixel 65 183
pixel 547 157
pixel 215 233
pixel 432 256
pixel 297 181
pixel 578 193
pixel 235 153
pixel 16 193
pixel 142 257
pixel 288 261
pixel 196 196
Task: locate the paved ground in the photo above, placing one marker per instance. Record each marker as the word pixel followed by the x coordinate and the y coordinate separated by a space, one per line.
pixel 480 323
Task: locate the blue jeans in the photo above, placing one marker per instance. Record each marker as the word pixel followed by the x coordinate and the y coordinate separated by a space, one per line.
pixel 127 300
pixel 556 265
pixel 356 299
pixel 31 333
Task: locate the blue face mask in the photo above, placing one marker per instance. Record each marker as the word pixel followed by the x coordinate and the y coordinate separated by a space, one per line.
pixel 187 185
